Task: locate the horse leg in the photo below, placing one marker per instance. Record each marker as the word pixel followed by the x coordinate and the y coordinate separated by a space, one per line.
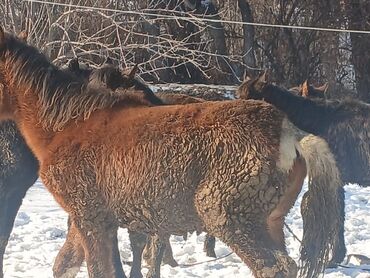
pixel 339 251
pixel 253 245
pixel 9 206
pixel 209 246
pixel 137 242
pixel 147 252
pixel 168 254
pixel 101 248
pixel 70 256
pixel 158 245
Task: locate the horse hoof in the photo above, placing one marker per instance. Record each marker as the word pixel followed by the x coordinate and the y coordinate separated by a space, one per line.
pixel 152 275
pixel 171 263
pixel 211 253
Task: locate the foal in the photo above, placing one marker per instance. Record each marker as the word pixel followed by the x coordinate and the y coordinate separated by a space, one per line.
pixel 162 170
pixel 345 126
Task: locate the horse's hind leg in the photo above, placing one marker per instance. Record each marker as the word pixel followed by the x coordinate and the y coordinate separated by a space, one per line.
pixel 253 245
pixel 137 242
pixel 209 246
pixel 70 256
pixel 99 239
pixel 10 203
pixel 167 256
pixel 275 221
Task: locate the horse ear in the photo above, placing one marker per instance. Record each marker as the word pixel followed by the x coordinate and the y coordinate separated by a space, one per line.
pixel 74 65
pixel 108 61
pixel 323 89
pixel 2 35
pixel 305 89
pixel 261 81
pixel 246 76
pixel 133 71
pixel 326 87
pixel 23 36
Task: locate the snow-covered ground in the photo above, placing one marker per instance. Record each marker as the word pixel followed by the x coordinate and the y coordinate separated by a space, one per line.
pixel 40 230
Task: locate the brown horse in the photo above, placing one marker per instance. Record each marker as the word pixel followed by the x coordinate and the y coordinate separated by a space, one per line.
pixel 231 168
pixel 108 77
pixel 71 254
pixel 345 126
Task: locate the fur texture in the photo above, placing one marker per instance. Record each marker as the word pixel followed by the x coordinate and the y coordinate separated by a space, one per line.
pixel 212 167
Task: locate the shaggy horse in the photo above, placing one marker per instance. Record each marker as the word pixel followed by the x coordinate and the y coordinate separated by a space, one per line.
pixel 231 168
pixel 20 168
pixel 71 254
pixel 345 126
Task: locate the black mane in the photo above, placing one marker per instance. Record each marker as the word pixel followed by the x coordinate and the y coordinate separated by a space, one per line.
pixel 112 78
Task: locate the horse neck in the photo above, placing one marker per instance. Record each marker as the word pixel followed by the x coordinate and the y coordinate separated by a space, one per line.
pixel 308 115
pixel 27 120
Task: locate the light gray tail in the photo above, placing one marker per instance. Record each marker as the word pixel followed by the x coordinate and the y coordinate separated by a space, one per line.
pixel 322 209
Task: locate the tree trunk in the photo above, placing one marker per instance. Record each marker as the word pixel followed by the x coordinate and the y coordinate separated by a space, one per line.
pixel 217 33
pixel 357 12
pixel 248 34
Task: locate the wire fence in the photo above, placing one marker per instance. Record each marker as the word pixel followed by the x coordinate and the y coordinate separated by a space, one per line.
pixel 204 19
pixel 193 41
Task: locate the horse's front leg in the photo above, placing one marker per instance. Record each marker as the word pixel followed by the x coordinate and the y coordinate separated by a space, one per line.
pixel 10 201
pixel 209 246
pixel 137 242
pixel 100 243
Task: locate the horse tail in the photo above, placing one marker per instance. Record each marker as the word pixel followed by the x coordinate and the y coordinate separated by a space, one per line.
pixel 322 209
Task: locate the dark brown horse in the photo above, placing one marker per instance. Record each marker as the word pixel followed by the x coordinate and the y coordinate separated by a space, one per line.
pixel 18 172
pixel 231 168
pixel 319 180
pixel 345 126
pixel 309 91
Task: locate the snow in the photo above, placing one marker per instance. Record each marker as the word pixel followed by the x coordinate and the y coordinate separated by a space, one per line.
pixel 40 230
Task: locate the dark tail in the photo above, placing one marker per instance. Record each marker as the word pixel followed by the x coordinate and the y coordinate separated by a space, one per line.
pixel 322 209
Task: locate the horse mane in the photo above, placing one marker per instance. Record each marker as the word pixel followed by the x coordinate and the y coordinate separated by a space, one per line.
pixel 62 96
pixel 123 85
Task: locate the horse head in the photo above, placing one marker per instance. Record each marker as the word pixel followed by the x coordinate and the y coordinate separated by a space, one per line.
pixel 252 88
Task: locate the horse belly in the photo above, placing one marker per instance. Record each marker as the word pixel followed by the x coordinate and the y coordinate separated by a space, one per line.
pixel 168 213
